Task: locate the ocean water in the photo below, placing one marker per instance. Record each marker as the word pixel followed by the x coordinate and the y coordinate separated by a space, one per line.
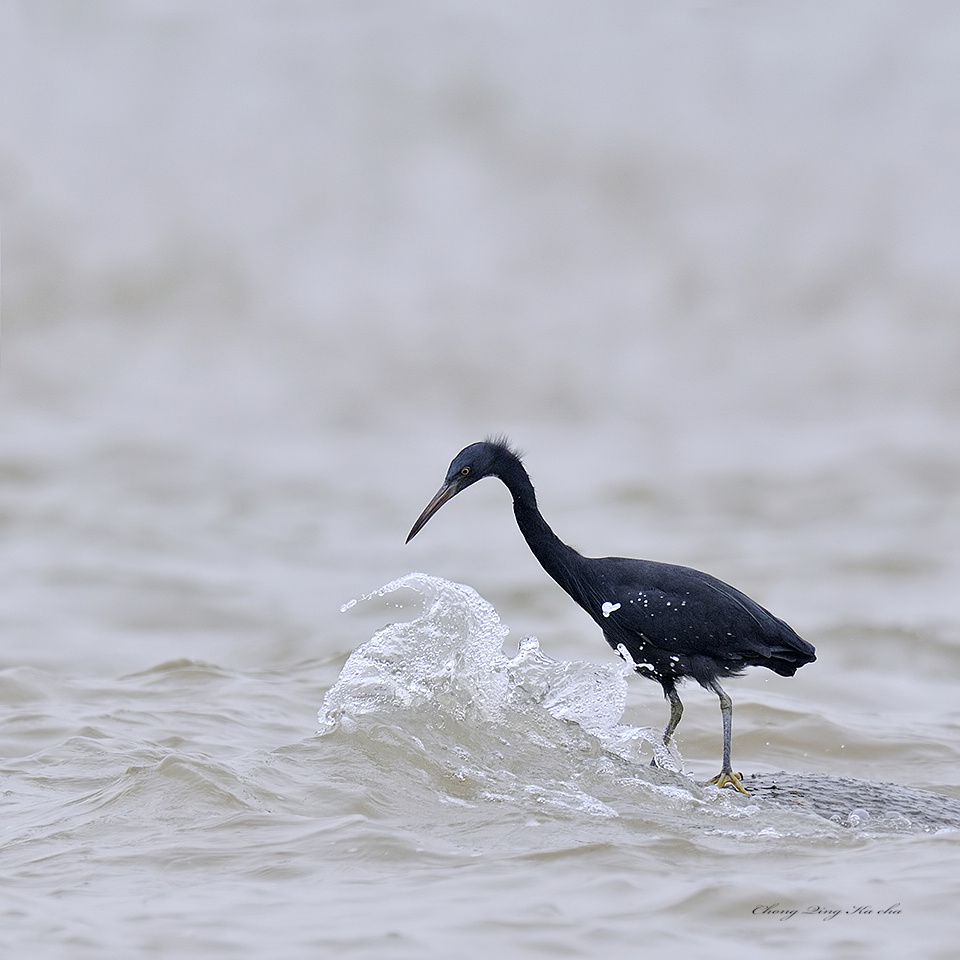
pixel 266 269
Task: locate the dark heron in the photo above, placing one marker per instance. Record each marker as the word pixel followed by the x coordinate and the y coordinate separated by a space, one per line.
pixel 673 622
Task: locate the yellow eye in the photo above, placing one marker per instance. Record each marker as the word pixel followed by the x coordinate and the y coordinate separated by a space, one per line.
pixel 464 471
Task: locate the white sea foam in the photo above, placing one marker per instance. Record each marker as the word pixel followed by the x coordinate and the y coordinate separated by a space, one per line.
pixel 457 639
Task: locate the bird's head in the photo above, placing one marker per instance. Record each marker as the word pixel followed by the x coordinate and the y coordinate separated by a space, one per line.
pixel 471 464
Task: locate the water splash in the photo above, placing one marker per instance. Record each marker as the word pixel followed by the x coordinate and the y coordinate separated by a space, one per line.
pixel 456 644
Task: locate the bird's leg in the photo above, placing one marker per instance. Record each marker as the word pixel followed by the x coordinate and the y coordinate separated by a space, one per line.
pixel 726 777
pixel 676 712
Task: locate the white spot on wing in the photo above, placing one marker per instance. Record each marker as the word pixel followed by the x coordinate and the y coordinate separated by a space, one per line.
pixel 609 607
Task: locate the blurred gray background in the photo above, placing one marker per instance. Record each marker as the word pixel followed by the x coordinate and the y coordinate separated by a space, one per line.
pixel 267 267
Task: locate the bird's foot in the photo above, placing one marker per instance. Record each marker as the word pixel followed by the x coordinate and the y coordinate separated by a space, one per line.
pixel 665 760
pixel 727 778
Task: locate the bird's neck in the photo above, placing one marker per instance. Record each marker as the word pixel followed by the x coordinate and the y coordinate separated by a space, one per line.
pixel 558 559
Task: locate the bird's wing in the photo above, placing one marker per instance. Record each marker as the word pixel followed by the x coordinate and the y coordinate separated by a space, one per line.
pixel 682 611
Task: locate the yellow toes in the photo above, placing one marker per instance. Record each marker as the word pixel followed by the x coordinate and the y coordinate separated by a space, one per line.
pixel 727 778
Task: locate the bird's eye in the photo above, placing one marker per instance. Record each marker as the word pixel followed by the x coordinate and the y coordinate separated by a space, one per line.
pixel 464 471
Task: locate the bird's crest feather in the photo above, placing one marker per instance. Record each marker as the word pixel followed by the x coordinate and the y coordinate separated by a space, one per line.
pixel 503 441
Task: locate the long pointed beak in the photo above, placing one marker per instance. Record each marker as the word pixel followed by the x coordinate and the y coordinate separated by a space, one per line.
pixel 447 491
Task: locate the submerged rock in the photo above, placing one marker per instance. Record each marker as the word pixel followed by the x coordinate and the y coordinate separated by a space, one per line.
pixel 856 803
